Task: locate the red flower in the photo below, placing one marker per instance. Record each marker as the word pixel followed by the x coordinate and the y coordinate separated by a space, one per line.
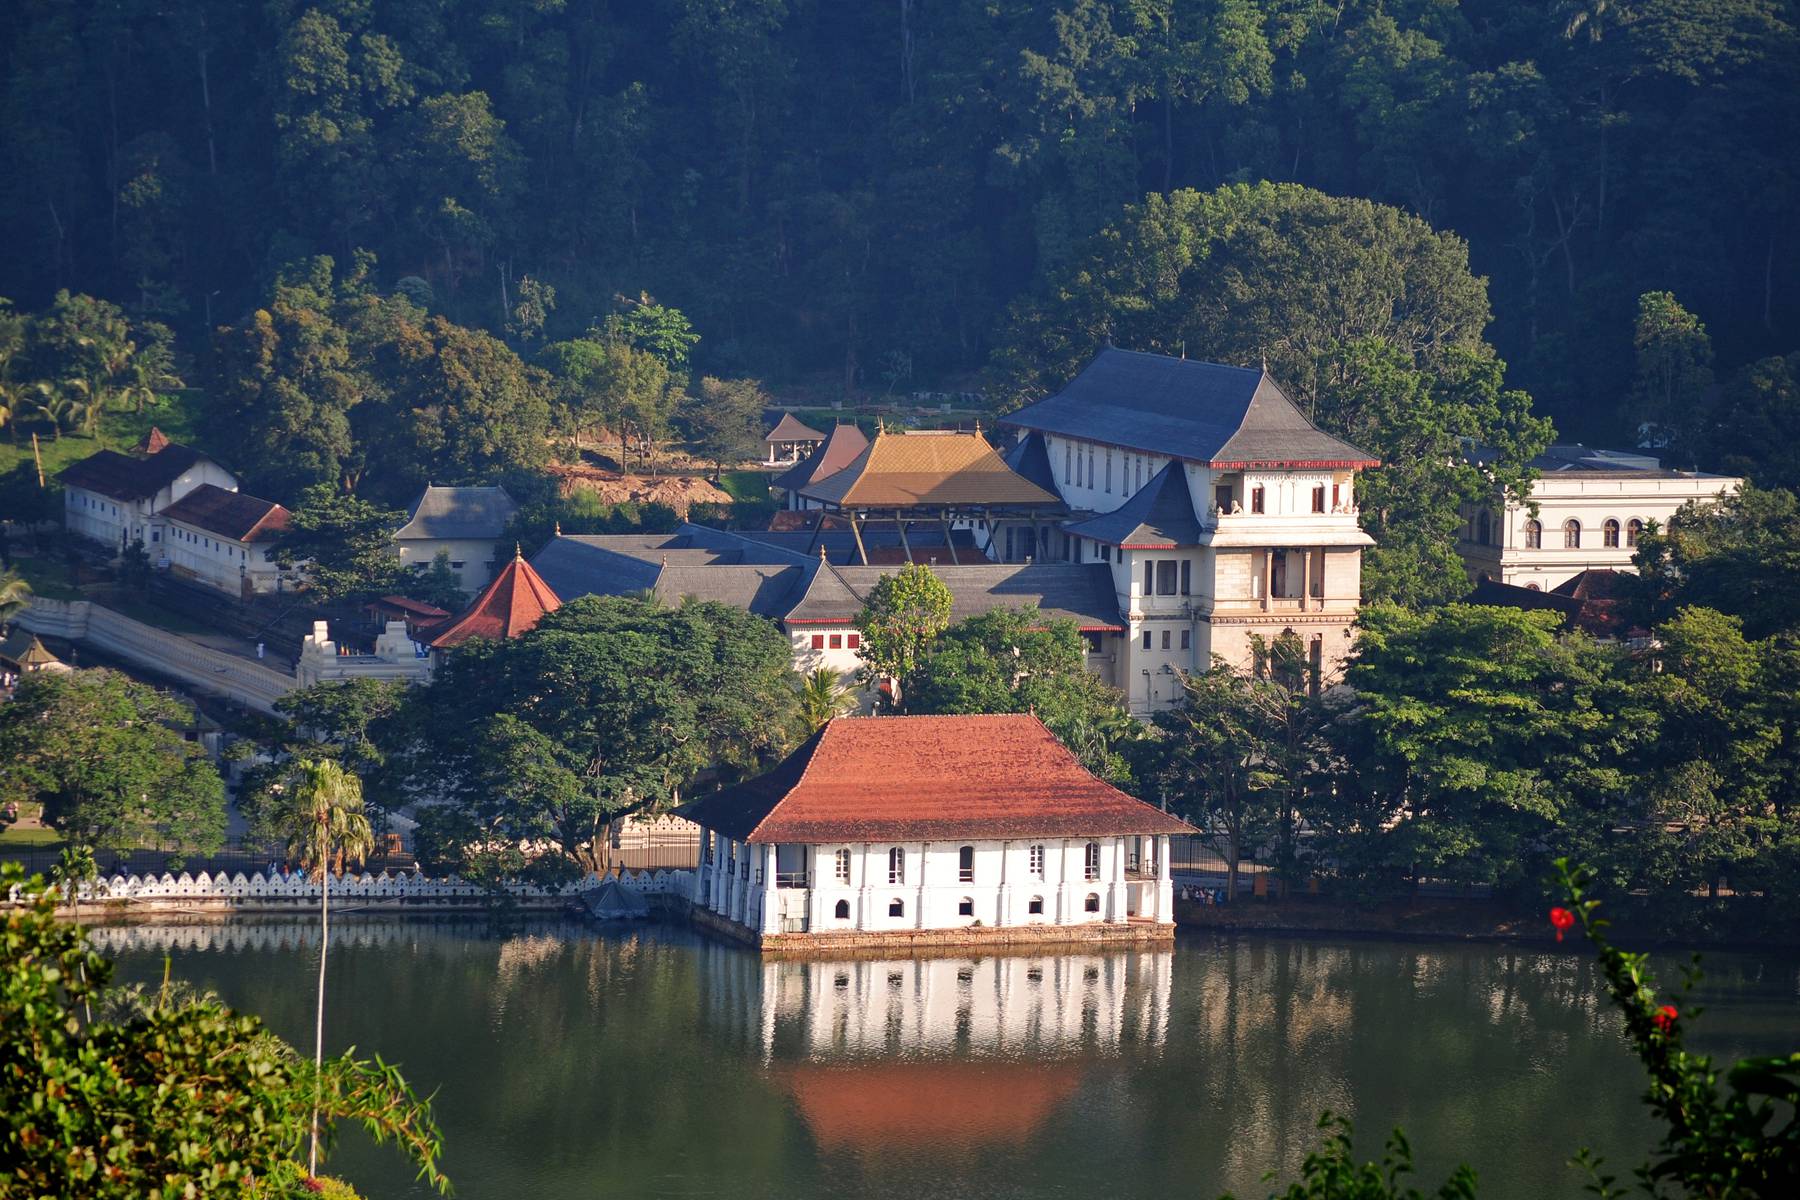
pixel 312 1184
pixel 1562 919
pixel 1665 1019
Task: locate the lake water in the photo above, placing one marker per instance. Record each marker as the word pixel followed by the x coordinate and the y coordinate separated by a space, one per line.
pixel 570 1062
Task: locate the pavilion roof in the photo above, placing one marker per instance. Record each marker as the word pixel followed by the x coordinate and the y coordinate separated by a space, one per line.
pixel 792 429
pixel 513 603
pixel 929 468
pixel 863 779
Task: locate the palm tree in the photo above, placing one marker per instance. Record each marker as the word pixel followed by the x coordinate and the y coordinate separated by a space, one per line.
pixel 74 867
pixel 822 697
pixel 9 408
pixel 62 411
pixel 15 594
pixel 324 823
pixel 89 402
pixel 151 373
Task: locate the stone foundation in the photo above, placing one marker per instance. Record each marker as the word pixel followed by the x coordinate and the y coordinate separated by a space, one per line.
pixel 903 941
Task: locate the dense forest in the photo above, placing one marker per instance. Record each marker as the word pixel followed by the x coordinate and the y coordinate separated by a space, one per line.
pixel 861 191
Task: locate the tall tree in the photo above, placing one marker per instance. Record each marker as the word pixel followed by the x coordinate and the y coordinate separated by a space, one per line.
pixel 344 544
pixel 1674 376
pixel 903 614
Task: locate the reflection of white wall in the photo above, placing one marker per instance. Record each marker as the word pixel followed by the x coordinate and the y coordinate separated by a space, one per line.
pixel 1005 1006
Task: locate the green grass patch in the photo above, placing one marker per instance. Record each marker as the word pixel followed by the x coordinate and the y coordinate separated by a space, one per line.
pixel 36 835
pixel 179 416
pixel 746 485
pixel 48 577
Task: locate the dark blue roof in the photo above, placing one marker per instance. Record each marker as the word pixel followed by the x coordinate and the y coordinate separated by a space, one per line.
pixel 1199 411
pixel 1030 458
pixel 1160 514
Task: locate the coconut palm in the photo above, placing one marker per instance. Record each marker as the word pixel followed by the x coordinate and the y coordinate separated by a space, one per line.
pixel 15 594
pixel 11 396
pixel 74 867
pixel 822 697
pixel 61 410
pixel 151 373
pixel 324 823
pixel 89 401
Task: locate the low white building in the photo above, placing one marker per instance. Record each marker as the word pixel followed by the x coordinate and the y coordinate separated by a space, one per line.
pixel 464 523
pixel 222 539
pixel 114 498
pixel 932 830
pixel 1592 505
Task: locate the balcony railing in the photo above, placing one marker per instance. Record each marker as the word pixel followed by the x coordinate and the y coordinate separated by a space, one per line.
pixel 792 879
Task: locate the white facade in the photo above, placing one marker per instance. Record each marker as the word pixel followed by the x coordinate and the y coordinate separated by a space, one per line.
pixel 471 560
pixel 232 566
pixel 1585 520
pixel 117 523
pixel 904 886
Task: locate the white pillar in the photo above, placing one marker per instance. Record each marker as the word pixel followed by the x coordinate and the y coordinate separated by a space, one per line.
pixel 1063 895
pixel 1117 908
pixel 1165 882
pixel 1003 905
pixel 862 889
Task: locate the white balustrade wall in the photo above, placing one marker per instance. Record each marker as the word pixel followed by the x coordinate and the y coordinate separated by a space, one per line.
pixel 298 889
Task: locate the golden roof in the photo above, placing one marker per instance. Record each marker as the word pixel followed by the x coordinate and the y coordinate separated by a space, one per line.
pixel 928 468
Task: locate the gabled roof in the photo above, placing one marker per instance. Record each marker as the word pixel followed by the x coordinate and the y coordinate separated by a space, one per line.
pixel 1159 517
pixel 841 447
pixel 929 468
pixel 1079 592
pixel 129 477
pixel 458 513
pixel 1029 457
pixel 1229 417
pixel 230 515
pixel 514 602
pixel 791 429
pixel 865 779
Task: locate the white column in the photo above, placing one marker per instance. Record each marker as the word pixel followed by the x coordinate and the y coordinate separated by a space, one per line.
pixel 1165 882
pixel 1116 910
pixel 770 916
pixel 1003 907
pixel 919 895
pixel 862 887
pixel 1063 894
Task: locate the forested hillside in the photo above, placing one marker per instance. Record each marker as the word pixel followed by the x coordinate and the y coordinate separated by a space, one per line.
pixel 842 188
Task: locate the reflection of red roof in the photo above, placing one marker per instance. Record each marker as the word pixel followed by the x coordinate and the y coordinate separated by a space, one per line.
pixel 924 779
pixel 516 600
pixel 900 1105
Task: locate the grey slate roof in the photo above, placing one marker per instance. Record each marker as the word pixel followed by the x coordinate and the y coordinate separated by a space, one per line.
pixel 576 566
pixel 459 514
pixel 620 565
pixel 1161 514
pixel 1081 592
pixel 1200 411
pixel 761 588
pixel 1031 459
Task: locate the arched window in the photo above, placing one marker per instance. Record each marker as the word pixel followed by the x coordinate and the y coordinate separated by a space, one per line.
pixel 965 865
pixel 1633 528
pixel 965 907
pixel 896 865
pixel 1091 861
pixel 841 865
pixel 1534 535
pixel 1483 528
pixel 842 912
pixel 1093 902
pixel 1571 534
pixel 896 907
pixel 1532 587
pixel 1036 907
pixel 1609 534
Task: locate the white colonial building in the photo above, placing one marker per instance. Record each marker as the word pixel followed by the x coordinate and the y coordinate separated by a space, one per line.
pixel 1591 506
pixel 222 539
pixel 465 524
pixel 932 830
pixel 1223 514
pixel 114 498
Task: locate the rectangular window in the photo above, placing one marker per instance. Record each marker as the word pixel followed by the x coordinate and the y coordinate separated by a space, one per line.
pixel 842 866
pixel 854 641
pixel 1090 457
pixel 1146 639
pixel 1068 453
pixel 896 865
pixel 1165 639
pixel 1319 499
pixel 456 566
pixel 818 641
pixel 1335 497
pixel 1186 639
pixel 1256 499
pixel 1187 577
pixel 1149 577
pixel 965 865
pixel 1109 472
pixel 1165 577
pixel 837 641
pixel 1105 553
pixel 1037 862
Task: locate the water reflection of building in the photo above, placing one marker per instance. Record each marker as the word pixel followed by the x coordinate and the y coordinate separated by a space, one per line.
pixel 880 1054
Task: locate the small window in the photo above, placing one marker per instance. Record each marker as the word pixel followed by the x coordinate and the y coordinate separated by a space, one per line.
pixel 853 640
pixel 1146 639
pixel 896 865
pixel 1036 859
pixel 842 912
pixel 1165 639
pixel 1571 534
pixel 965 865
pixel 965 907
pixel 1090 458
pixel 896 908
pixel 1093 902
pixel 1036 907
pixel 841 866
pixel 1187 639
pixel 455 566
pixel 1256 499
pixel 1222 498
pixel 1534 535
pixel 1609 534
pixel 818 641
pixel 837 641
pixel 1165 577
pixel 1068 474
pixel 1483 529
pixel 1633 528
pixel 1109 472
pixel 1319 498
pixel 1149 577
pixel 1105 553
pixel 1091 861
pixel 1187 577
pixel 1335 501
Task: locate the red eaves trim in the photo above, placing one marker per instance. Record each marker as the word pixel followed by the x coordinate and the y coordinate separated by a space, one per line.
pixel 1100 628
pixel 1146 545
pixel 1295 462
pixel 819 620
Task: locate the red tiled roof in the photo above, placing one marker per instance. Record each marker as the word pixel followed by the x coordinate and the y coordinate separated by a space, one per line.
pixel 228 514
pixel 515 602
pixel 153 441
pixel 862 779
